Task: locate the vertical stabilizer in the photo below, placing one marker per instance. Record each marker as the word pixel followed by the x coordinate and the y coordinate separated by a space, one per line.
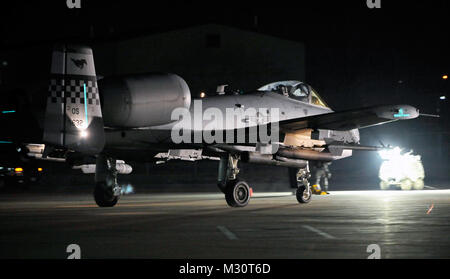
pixel 73 117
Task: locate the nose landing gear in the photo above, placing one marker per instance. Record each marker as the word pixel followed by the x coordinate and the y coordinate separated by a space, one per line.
pixel 304 192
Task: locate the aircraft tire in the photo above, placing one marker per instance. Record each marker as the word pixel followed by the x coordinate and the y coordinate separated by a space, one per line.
pixel 221 187
pixel 418 185
pixel 406 185
pixel 103 196
pixel 237 193
pixel 302 196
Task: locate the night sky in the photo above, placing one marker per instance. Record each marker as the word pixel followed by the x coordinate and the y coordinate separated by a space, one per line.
pixel 360 55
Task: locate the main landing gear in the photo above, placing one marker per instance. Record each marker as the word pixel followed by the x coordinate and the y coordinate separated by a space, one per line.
pixel 237 192
pixel 107 191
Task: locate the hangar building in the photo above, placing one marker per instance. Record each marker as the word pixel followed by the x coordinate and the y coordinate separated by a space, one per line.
pixel 206 56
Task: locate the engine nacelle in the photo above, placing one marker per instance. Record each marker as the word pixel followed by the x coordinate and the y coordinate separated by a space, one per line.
pixel 142 100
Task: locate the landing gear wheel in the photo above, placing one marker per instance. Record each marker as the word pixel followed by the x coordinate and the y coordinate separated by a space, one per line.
pixel 302 195
pixel 406 185
pixel 221 187
pixel 419 184
pixel 237 193
pixel 104 196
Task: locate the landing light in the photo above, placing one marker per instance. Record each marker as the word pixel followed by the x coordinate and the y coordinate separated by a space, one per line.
pixel 445 77
pixel 403 170
pixel 442 97
pixel 390 154
pixel 127 189
pixel 83 134
pixel 39 169
pixel 18 170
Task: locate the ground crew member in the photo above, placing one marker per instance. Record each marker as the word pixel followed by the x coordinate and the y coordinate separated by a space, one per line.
pixel 322 173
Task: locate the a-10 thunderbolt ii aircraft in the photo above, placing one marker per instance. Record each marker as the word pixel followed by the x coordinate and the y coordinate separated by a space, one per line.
pixel 150 117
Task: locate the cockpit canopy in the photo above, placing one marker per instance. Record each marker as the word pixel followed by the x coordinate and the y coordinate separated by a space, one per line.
pixel 296 90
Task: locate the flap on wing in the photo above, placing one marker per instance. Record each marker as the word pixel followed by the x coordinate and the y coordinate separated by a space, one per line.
pixel 352 119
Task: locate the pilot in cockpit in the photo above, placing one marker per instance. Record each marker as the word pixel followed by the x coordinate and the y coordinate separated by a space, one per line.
pixel 295 90
pixel 283 89
pixel 300 92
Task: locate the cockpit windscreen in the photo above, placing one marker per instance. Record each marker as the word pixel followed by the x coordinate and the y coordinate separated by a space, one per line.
pixel 296 90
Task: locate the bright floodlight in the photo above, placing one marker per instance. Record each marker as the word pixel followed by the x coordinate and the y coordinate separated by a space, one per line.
pixel 83 134
pixel 403 170
pixel 442 97
pixel 390 154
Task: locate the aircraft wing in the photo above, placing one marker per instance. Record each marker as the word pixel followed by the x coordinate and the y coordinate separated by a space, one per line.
pixel 352 119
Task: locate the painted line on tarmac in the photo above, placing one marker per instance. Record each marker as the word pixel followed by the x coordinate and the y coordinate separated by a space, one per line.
pixel 77 206
pixel 227 233
pixel 128 213
pixel 319 232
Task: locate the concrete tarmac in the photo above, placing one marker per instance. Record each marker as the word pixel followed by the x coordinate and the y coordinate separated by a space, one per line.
pixel 403 224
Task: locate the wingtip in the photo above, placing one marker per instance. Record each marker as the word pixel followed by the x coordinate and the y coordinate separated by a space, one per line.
pixel 429 115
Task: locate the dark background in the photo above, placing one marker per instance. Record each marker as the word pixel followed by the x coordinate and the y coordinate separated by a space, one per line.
pixel 355 57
